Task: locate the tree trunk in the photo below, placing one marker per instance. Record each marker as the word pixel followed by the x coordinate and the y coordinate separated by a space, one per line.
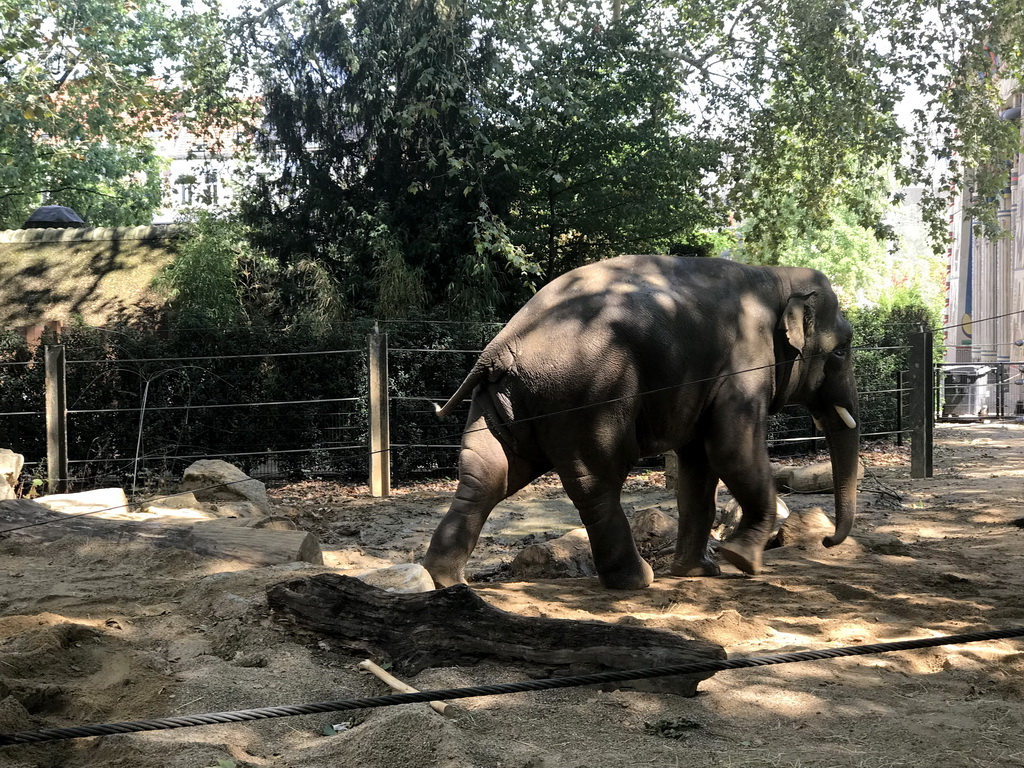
pixel 454 626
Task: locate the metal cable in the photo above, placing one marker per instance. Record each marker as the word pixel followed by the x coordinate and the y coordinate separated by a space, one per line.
pixel 451 435
pixel 266 713
pixel 154 408
pixel 259 355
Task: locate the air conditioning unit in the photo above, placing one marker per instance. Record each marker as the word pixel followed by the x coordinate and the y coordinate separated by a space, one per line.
pixel 966 391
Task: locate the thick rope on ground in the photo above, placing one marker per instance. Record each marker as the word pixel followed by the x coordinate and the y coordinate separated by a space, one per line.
pixel 266 713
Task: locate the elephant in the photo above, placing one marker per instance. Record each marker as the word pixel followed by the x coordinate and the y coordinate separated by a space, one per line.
pixel 638 355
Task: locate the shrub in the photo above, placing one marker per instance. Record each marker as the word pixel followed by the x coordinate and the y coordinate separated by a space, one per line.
pixel 881 335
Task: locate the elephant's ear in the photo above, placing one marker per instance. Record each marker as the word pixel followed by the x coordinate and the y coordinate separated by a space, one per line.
pixel 797 320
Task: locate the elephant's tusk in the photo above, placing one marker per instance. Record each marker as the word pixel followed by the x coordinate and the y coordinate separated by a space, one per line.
pixel 844 414
pixel 817 423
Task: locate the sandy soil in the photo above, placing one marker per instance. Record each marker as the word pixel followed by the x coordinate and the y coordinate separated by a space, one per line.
pixel 94 631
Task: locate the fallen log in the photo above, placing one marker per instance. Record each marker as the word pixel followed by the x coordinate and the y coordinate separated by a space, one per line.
pixel 224 538
pixel 454 627
pixel 256 546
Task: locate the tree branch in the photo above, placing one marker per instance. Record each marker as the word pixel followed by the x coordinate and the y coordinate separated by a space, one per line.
pixel 61 189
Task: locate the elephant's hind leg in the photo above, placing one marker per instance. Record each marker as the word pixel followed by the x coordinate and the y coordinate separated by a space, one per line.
pixel 596 495
pixel 487 474
pixel 695 498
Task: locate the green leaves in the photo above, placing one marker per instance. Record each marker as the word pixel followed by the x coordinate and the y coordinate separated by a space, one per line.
pixel 82 87
pixel 494 147
pixel 376 122
pixel 499 144
pixel 200 283
pixel 598 130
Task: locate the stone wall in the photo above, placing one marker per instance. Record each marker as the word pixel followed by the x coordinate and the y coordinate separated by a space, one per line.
pixel 61 235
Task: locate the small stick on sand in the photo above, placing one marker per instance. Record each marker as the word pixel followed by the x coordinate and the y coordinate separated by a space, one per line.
pixel 397 685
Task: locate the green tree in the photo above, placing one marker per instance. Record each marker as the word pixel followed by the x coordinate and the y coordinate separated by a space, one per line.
pixel 201 283
pixel 866 271
pixel 814 101
pixel 85 88
pixel 595 116
pixel 429 153
pixel 456 154
pixel 856 262
pixel 384 173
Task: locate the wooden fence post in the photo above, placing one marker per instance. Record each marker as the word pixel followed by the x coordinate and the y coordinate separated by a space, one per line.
pixel 56 420
pixel 380 428
pixel 922 404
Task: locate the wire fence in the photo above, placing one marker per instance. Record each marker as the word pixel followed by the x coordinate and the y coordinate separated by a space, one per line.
pixel 138 420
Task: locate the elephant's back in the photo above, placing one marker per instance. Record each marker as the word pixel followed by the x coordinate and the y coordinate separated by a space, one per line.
pixel 626 325
pixel 641 303
pixel 657 285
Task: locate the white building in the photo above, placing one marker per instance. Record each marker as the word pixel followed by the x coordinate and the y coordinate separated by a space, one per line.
pixel 985 289
pixel 198 175
pixel 985 297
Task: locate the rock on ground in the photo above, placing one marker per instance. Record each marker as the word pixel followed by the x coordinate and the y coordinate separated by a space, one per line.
pixel 566 557
pixel 219 482
pixel 405 577
pixel 11 464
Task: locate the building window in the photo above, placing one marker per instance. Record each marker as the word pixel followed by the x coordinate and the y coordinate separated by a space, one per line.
pixel 186 186
pixel 210 193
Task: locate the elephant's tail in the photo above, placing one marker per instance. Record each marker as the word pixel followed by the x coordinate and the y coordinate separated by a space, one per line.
pixel 467 386
pixel 497 359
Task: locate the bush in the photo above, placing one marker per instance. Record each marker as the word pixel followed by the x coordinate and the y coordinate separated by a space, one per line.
pixel 881 336
pixel 200 282
pixel 113 373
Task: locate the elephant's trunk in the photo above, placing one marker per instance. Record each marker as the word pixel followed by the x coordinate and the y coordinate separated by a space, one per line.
pixel 843 446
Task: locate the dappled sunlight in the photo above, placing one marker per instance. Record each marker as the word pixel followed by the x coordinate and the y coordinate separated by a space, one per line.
pixel 931 532
pixel 13 625
pixel 180 634
pixel 773 700
pixel 100 281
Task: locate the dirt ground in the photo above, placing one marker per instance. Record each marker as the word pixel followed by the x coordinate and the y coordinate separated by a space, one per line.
pixel 94 631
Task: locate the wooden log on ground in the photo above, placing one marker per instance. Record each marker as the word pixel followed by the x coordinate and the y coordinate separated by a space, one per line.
pixel 256 546
pixel 454 626
pixel 222 538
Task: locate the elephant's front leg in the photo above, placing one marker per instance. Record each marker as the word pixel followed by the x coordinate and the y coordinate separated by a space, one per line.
pixel 695 497
pixel 740 457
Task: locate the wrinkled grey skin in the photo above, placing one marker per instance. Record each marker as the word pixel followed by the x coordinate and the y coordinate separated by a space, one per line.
pixel 639 355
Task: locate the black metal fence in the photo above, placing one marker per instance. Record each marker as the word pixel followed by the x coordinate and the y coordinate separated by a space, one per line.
pixel 135 421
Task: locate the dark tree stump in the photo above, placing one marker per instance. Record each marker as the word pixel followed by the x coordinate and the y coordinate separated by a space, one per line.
pixel 454 626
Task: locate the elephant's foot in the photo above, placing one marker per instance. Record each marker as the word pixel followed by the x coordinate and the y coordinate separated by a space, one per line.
pixel 636 576
pixel 747 557
pixel 444 574
pixel 703 567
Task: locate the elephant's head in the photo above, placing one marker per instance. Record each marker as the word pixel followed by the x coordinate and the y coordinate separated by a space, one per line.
pixel 813 347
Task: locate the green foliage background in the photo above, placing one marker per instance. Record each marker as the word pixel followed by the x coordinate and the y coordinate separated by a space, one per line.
pixel 426 160
pixel 450 156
